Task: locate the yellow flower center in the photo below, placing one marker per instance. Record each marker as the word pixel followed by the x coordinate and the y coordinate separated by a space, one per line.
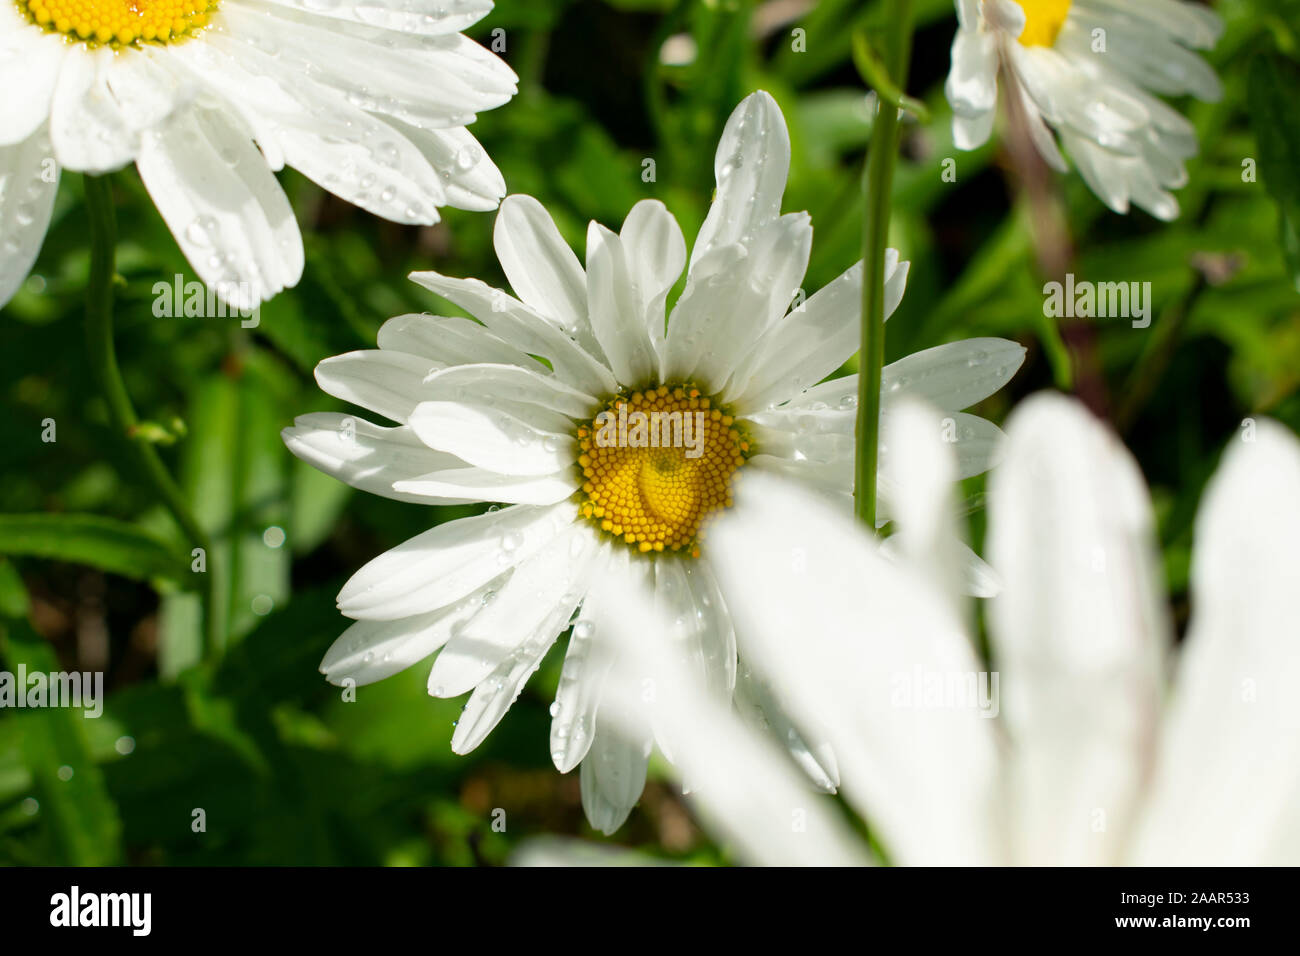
pixel 121 22
pixel 1043 21
pixel 657 464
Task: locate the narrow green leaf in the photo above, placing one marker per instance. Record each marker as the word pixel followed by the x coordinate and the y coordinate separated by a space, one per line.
pixel 100 542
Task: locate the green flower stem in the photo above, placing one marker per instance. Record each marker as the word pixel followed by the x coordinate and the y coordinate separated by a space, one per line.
pixel 108 377
pixel 875 237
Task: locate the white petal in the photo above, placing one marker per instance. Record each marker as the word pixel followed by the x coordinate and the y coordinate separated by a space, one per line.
pixel 612 778
pixel 472 181
pixel 387 382
pixel 429 82
pixel 812 341
pixel 523 328
pixel 497 439
pixel 751 166
pixel 479 484
pixel 369 651
pixel 404 16
pixel 757 704
pixel 791 564
pixel 29 60
pixel 448 562
pixel 743 784
pixel 89 131
pixel 1227 786
pixel 491 699
pixel 223 205
pixel 29 183
pixel 587 661
pixel 618 317
pixel 972 86
pixel 483 382
pixel 699 629
pixel 542 269
pixel 954 376
pixel 530 609
pixel 717 322
pixel 451 340
pixel 370 457
pixel 1078 631
pixel 656 254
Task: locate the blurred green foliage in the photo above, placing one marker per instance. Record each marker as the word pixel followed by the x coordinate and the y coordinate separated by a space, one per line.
pixel 284 770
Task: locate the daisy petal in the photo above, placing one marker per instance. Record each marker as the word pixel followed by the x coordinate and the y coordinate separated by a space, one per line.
pixel 954 376
pixel 480 382
pixel 656 255
pixel 1078 630
pixel 496 439
pixel 29 182
pixel 383 381
pixel 524 616
pixel 758 706
pixel 540 266
pixel 448 562
pixel 612 778
pixel 523 328
pixel 451 340
pixel 87 126
pixel 1227 782
pixel 30 61
pixel 369 651
pixel 812 341
pixel 370 457
pixel 479 484
pixel 617 316
pixel 752 165
pixel 223 205
pixel 433 17
pixel 790 564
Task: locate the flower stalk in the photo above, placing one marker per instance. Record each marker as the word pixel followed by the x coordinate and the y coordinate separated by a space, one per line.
pixel 123 421
pixel 878 185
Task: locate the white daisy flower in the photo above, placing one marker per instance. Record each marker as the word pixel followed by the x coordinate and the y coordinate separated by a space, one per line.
pixel 209 98
pixel 613 436
pixel 1092 70
pixel 1096 741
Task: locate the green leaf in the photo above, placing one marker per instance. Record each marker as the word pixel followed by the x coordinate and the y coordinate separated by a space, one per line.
pixel 104 543
pixel 78 819
pixel 1272 86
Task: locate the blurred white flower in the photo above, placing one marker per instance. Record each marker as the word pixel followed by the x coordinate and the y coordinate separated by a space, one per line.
pixel 733 375
pixel 210 97
pixel 1096 757
pixel 1093 71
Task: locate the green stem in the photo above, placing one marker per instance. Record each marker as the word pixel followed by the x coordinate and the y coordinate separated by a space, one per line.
pixel 108 377
pixel 879 184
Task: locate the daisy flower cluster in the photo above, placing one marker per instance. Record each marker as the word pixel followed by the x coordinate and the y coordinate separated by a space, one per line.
pixel 1092 72
pixel 209 98
pixel 527 407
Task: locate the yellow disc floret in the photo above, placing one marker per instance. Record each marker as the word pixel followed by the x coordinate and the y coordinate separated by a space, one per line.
pixel 121 23
pixel 656 464
pixel 1043 21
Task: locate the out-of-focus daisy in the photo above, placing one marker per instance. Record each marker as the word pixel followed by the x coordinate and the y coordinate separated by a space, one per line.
pixel 1093 71
pixel 612 453
pixel 1085 753
pixel 208 98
